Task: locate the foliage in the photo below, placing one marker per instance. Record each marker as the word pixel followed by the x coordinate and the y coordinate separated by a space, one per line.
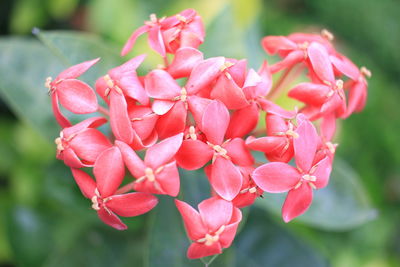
pixel 39 202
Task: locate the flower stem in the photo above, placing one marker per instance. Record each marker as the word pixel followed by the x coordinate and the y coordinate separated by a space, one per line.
pixel 288 76
pixel 103 111
pixel 166 62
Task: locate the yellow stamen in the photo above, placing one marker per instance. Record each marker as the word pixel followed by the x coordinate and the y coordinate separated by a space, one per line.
pixel 192 133
pixel 366 72
pixel 327 35
pixel 310 178
pixel 181 18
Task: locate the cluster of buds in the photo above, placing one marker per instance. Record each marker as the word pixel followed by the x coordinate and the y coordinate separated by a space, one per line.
pixel 194 112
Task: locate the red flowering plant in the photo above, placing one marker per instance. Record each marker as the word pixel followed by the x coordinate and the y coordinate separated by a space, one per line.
pixel 194 112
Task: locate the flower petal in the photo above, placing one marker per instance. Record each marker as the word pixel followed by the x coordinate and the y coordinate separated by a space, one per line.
pixel 305 146
pixel 160 85
pixel 272 108
pixel 111 219
pixel 200 250
pixel 77 96
pixel 77 70
pixel 322 172
pixel 310 93
pixel 243 121
pixel 276 177
pixel 61 119
pixel 229 232
pixel 345 66
pixel 156 41
pixel 163 152
pixel 119 119
pixel 88 144
pixel 132 161
pixel 297 202
pixel 320 62
pixel 109 171
pixel 132 39
pixel 328 127
pixel 71 159
pixel 192 220
pixel 203 74
pixel 168 179
pixel 272 44
pixel 173 122
pixel 197 106
pixel 225 178
pixel 239 153
pixel 229 93
pixel 291 59
pixel 86 184
pixel 143 121
pixel 193 154
pixel 215 212
pixel 185 60
pixel 160 107
pixel 215 122
pixel 266 144
pixel 93 122
pixel 131 204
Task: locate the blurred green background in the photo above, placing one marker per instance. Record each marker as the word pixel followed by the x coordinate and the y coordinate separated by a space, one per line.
pixel 44 220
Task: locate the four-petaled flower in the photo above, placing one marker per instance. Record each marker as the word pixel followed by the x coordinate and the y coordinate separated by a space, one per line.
pixel 212 228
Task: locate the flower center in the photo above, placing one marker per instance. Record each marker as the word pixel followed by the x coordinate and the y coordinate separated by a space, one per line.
pixel 111 85
pixel 192 133
pixel 331 147
pixel 149 174
pixel 291 132
pixel 62 142
pixel 307 178
pixel 97 201
pixel 210 239
pixel 219 150
pixel 335 88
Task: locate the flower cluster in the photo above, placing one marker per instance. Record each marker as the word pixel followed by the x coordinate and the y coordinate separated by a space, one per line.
pixel 194 112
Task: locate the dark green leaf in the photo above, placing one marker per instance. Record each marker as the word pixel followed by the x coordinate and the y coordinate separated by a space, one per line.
pixel 75 47
pixel 263 243
pixel 24 66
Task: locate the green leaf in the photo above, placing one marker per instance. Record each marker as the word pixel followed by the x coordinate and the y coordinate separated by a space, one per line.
pixel 264 243
pixel 243 41
pixel 72 47
pixel 25 64
pixel 30 235
pixel 342 205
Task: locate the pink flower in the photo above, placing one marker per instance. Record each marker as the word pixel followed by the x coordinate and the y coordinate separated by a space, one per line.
pixel 278 177
pixel 278 144
pixel 295 48
pixel 119 84
pixel 212 228
pixel 109 172
pixel 249 191
pixel 73 94
pixel 166 35
pixel 225 177
pixel 172 102
pixel 81 144
pixel 158 173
